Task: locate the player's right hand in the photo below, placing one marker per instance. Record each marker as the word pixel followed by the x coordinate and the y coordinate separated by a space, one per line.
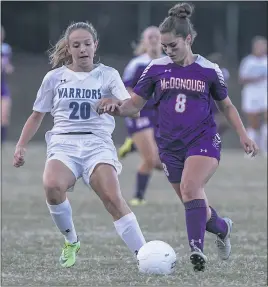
pixel 250 147
pixel 108 106
pixel 19 154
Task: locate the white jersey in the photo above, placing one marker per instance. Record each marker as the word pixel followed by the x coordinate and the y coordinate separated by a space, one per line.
pixel 253 67
pixel 72 98
pixel 254 94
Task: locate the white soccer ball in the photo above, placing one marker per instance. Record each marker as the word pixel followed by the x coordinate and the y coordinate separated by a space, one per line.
pixel 156 257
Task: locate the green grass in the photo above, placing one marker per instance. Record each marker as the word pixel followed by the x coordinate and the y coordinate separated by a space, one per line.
pixel 31 244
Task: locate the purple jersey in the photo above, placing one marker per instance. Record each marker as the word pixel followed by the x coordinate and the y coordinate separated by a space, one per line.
pixel 184 96
pixel 131 75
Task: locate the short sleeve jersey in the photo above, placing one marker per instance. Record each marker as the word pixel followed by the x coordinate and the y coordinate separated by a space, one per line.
pixel 184 97
pixel 252 67
pixel 132 73
pixel 72 98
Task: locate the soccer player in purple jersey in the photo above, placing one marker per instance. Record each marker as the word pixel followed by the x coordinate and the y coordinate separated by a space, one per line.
pixel 184 84
pixel 142 129
pixel 6 69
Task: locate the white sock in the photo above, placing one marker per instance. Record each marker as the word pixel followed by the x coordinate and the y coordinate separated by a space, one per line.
pixel 253 134
pixel 129 230
pixel 263 138
pixel 62 217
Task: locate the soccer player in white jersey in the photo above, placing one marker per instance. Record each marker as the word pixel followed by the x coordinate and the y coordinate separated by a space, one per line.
pixel 253 76
pixel 80 143
pixel 142 130
pixel 184 85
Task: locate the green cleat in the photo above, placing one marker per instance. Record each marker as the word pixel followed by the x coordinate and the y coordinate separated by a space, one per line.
pixel 137 202
pixel 68 255
pixel 126 148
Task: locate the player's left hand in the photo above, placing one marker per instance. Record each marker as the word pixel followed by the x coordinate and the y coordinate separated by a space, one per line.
pixel 250 147
pixel 108 106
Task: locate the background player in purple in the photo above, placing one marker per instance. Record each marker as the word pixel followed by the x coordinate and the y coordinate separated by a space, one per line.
pixel 185 84
pixel 141 130
pixel 220 120
pixel 6 68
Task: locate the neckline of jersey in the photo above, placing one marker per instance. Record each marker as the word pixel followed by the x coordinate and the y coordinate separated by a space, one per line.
pixel 95 68
pixel 194 62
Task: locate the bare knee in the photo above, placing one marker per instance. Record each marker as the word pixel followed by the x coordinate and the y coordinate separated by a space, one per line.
pixel 55 190
pixel 150 161
pixel 189 190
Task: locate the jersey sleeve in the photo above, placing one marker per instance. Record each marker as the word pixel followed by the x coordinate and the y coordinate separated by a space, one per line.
pixel 128 74
pixel 145 86
pixel 45 94
pixel 218 87
pixel 117 87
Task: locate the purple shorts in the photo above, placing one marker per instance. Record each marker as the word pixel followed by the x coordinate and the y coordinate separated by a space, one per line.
pixel 173 162
pixel 145 121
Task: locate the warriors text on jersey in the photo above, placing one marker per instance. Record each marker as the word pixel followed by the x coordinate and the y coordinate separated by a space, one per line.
pixel 72 98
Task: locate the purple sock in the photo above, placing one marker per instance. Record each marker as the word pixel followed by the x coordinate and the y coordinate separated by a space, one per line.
pixel 217 225
pixel 142 181
pixel 196 218
pixel 3 133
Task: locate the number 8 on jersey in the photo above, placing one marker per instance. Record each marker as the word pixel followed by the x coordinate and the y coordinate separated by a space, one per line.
pixel 180 103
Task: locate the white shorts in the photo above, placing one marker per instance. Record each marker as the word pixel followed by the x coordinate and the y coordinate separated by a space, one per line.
pixel 81 153
pixel 253 102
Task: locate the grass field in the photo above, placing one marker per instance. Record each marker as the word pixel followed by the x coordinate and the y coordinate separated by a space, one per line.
pixel 31 243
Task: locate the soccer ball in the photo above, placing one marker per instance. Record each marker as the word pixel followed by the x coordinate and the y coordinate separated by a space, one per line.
pixel 156 257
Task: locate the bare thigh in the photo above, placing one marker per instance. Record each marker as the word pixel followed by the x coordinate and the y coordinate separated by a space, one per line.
pixel 104 181
pixel 57 178
pixel 145 142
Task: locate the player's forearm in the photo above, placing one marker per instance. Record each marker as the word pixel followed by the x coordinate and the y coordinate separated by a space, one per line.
pixel 128 109
pixel 232 115
pixel 30 128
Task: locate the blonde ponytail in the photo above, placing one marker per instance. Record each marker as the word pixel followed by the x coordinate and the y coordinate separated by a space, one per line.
pixel 59 55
